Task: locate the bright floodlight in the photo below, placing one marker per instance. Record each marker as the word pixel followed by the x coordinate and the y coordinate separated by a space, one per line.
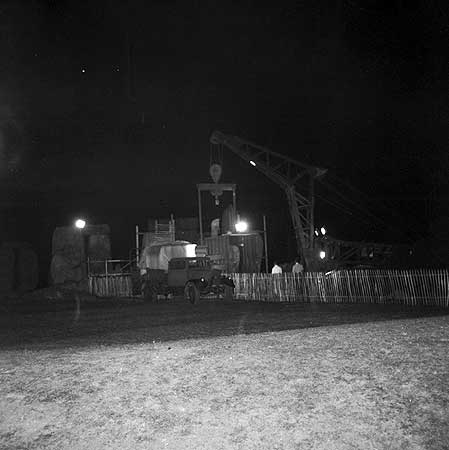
pixel 316 232
pixel 241 226
pixel 80 223
pixel 323 231
pixel 322 254
pixel 252 163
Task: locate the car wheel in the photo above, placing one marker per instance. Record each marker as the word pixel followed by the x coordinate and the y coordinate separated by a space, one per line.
pixel 150 292
pixel 228 293
pixel 191 292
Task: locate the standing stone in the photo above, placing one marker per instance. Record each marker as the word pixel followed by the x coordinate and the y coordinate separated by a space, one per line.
pixel 71 247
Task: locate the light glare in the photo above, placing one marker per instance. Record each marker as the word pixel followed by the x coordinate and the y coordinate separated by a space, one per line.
pixel 80 223
pixel 322 254
pixel 252 163
pixel 323 231
pixel 241 226
pixel 191 250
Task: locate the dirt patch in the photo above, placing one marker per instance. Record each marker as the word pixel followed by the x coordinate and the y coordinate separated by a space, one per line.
pixel 376 385
pixel 124 321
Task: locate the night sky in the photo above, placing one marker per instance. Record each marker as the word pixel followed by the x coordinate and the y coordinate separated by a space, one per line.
pixel 107 108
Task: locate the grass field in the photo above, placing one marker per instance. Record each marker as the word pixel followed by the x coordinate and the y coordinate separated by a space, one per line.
pixel 225 376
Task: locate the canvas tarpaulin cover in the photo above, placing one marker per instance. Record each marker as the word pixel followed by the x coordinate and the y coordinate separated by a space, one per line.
pixel 158 256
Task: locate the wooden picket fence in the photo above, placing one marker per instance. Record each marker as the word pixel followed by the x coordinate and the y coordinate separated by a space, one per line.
pixel 111 286
pixel 408 287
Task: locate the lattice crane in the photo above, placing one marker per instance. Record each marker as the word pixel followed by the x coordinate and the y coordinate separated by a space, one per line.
pixel 296 178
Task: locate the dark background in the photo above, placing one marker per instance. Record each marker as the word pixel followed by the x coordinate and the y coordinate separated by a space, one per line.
pixel 106 110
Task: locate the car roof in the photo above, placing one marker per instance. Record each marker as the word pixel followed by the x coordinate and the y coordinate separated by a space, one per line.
pixel 190 258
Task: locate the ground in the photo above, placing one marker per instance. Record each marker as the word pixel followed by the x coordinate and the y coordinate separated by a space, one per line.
pixel 225 375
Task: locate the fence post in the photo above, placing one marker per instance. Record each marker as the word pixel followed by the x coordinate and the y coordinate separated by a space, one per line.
pixel 265 242
pixel 106 273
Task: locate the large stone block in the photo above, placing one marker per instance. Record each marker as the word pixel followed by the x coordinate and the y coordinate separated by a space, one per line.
pixel 70 242
pixel 7 259
pixel 99 246
pixel 63 270
pixel 71 248
pixel 26 269
pixel 18 267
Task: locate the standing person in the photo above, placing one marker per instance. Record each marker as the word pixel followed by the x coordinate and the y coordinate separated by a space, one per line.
pixel 276 268
pixel 297 267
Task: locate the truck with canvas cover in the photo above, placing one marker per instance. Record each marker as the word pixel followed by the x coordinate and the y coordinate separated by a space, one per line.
pixel 191 277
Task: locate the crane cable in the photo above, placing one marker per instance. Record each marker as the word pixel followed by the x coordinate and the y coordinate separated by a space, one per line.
pixel 364 210
pixel 379 204
pixel 215 154
pixel 352 202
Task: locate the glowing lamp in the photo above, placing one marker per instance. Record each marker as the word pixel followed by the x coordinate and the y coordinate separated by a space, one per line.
pixel 323 231
pixel 241 226
pixel 80 223
pixel 252 163
pixel 322 254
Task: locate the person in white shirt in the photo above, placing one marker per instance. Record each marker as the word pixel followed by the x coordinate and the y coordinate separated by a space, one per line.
pixel 276 269
pixel 297 267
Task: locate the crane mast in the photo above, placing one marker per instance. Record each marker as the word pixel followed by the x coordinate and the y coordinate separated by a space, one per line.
pixel 296 178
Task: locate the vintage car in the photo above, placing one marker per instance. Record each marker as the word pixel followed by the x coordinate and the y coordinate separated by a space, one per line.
pixel 191 277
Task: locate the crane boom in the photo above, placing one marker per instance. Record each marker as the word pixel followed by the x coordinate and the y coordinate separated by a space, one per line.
pixel 295 177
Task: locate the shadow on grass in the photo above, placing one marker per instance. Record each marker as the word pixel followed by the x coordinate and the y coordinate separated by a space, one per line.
pixel 122 322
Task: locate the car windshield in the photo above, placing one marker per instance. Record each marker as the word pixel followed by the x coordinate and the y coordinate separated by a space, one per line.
pixel 177 264
pixel 202 263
